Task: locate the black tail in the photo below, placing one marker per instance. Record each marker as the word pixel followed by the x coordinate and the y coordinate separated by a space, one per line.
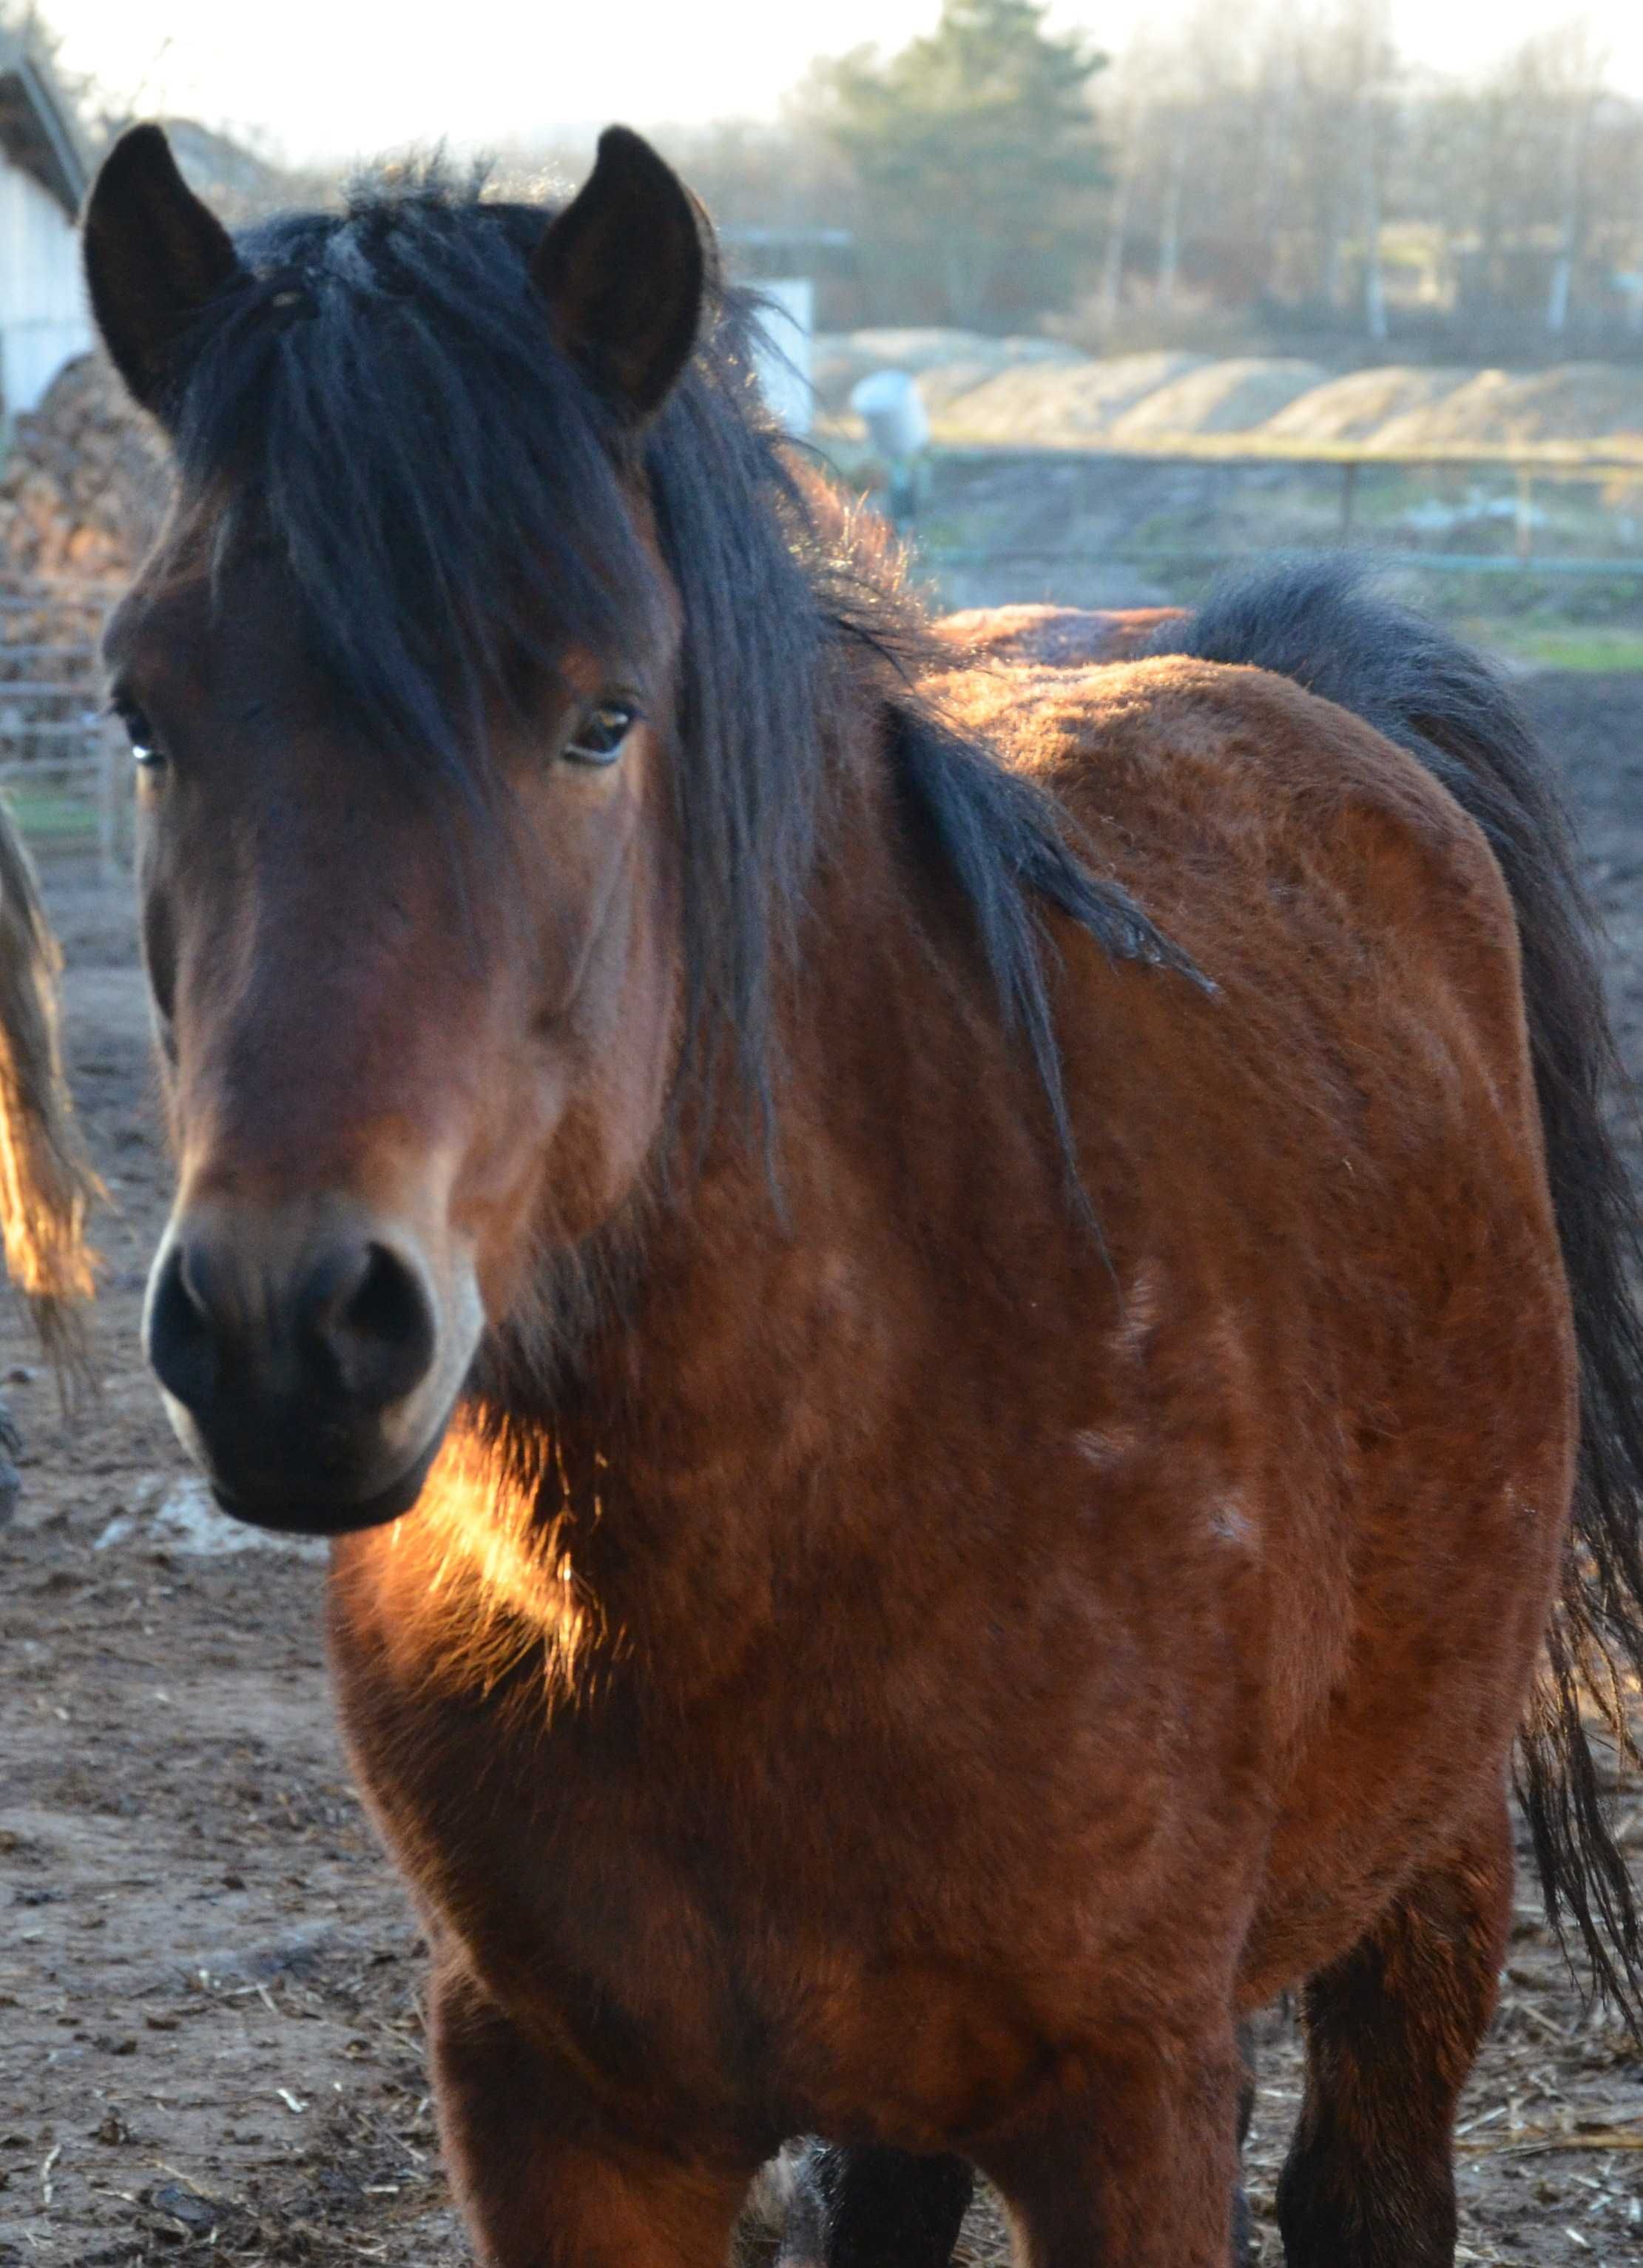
pixel 1315 621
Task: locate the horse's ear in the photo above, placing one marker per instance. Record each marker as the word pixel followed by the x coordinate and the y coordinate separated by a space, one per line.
pixel 622 271
pixel 155 258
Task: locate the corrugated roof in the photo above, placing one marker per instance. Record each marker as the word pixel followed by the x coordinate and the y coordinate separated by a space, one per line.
pixel 38 129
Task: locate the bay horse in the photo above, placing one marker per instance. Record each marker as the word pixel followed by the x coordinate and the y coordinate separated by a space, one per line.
pixel 948 1308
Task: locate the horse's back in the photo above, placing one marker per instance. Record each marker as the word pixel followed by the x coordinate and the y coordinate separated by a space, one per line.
pixel 1062 637
pixel 1181 771
pixel 1252 821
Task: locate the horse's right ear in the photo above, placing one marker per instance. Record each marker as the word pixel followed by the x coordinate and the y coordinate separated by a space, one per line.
pixel 623 271
pixel 155 259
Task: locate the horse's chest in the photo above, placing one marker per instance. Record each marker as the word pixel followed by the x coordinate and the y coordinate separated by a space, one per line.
pixel 692 1945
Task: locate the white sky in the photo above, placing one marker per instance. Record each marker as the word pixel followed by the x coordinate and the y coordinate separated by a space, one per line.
pixel 330 78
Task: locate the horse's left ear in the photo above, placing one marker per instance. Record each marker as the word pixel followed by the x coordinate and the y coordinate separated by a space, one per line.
pixel 622 270
pixel 155 259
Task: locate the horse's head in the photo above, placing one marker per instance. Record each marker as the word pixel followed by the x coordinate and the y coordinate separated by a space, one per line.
pixel 399 680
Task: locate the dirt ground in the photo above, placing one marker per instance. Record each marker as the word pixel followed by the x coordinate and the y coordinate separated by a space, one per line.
pixel 210 2027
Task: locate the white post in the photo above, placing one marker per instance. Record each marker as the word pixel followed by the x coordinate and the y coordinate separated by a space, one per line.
pixel 783 354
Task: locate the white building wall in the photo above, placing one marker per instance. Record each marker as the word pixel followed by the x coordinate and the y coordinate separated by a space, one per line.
pixel 43 318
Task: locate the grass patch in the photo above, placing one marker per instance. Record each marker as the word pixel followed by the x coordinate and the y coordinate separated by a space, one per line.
pixel 52 819
pixel 1558 645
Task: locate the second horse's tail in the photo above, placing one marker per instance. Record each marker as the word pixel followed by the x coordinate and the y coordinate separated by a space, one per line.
pixel 47 1183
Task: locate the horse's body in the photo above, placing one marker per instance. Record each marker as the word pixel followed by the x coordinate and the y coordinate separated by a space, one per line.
pixel 994 1705
pixel 902 1644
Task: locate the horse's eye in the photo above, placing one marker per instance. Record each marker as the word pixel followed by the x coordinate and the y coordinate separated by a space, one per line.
pixel 600 734
pixel 145 749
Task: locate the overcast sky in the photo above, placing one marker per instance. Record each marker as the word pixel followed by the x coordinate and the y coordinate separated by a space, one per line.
pixel 338 79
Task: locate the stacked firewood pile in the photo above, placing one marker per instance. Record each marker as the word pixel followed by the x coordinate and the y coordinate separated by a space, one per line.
pixel 81 493
pixel 84 486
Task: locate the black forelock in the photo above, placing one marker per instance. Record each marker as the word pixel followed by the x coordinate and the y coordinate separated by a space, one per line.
pixel 382 397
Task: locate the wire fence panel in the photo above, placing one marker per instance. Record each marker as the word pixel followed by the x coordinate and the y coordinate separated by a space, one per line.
pixel 64 765
pixel 1186 555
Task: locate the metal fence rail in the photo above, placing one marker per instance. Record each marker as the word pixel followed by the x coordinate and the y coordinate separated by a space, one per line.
pixel 1560 467
pixel 1437 562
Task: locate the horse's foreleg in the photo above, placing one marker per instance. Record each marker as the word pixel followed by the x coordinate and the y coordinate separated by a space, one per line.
pixel 856 2207
pixel 1138 2169
pixel 540 2183
pixel 1391 2033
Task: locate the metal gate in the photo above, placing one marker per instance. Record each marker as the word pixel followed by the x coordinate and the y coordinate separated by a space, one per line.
pixel 64 765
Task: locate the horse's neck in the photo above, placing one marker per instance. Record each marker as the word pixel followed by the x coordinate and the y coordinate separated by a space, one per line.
pixel 717 1467
pixel 782 1307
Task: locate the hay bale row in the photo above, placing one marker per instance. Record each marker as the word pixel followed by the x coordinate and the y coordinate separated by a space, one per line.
pixel 1027 392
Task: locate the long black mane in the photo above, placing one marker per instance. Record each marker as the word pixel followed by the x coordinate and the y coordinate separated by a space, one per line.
pixel 383 393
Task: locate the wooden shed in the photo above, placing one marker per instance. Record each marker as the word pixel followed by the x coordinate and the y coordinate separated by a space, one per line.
pixel 44 172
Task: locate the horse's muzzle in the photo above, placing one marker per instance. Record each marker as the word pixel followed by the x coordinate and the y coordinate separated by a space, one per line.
pixel 310 1357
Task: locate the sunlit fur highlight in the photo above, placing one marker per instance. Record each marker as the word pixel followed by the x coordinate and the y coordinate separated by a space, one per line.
pixel 47 1183
pixel 487 1595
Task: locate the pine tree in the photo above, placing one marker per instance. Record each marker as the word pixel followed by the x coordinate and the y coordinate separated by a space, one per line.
pixel 977 162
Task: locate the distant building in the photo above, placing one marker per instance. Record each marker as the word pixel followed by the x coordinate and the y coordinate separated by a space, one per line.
pixel 44 174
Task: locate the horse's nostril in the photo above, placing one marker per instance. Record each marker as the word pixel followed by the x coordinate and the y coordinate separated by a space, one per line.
pixel 348 1322
pixel 182 1341
pixel 370 1325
